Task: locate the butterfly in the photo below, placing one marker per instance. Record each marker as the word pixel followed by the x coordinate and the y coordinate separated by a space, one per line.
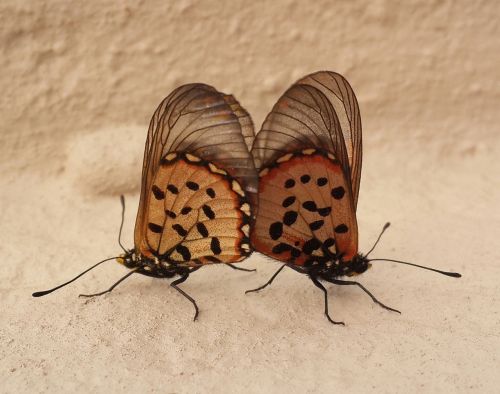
pixel 308 154
pixel 198 187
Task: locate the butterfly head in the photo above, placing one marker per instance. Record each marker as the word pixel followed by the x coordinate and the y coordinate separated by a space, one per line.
pixel 339 266
pixel 129 259
pixel 357 265
pixel 360 262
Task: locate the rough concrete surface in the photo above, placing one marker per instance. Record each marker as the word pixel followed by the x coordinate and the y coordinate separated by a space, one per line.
pixel 79 83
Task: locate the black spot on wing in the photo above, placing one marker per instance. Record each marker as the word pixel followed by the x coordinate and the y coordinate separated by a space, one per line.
pixel 184 252
pixel 290 217
pixel 276 230
pixel 186 210
pixel 172 189
pixel 305 178
pixel 311 245
pixel 321 181
pixel 324 211
pixel 209 213
pixel 283 247
pixel 202 229
pixel 215 246
pixel 341 228
pixel 158 193
pixel 211 192
pixel 310 206
pixel 289 183
pixel 155 228
pixel 170 214
pixel 288 201
pixel 280 248
pixel 179 229
pixel 316 225
pixel 192 185
pixel 338 192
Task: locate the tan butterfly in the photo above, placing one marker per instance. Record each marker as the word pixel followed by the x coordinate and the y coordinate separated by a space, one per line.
pixel 198 187
pixel 308 154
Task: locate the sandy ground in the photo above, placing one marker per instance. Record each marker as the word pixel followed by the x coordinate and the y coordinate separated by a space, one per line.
pixel 141 337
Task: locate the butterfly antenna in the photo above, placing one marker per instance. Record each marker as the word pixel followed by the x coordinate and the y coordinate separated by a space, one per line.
pixel 386 226
pixel 452 274
pixel 122 200
pixel 45 292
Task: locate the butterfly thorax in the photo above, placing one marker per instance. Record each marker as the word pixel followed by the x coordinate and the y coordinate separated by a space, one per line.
pixel 151 266
pixel 336 267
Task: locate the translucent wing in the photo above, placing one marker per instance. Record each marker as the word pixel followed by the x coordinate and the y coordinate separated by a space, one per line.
pixel 200 132
pixel 340 94
pixel 319 111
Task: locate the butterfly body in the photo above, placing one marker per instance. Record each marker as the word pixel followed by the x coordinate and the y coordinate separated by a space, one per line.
pixel 154 267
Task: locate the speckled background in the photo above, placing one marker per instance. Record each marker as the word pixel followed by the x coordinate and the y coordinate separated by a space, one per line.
pixel 421 69
pixel 80 81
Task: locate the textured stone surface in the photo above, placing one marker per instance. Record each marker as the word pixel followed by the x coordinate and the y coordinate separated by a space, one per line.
pixel 424 72
pixel 79 83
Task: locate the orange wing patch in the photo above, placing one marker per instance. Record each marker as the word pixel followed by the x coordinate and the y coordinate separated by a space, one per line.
pixel 306 209
pixel 195 214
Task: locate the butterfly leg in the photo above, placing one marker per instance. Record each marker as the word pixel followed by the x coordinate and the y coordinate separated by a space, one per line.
pixel 353 283
pixel 179 281
pixel 268 282
pixel 318 284
pixel 234 267
pixel 110 289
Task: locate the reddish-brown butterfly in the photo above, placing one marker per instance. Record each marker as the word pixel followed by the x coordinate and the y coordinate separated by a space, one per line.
pixel 198 186
pixel 308 154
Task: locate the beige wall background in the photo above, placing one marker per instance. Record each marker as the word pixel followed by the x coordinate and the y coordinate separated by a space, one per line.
pixel 79 82
pixel 425 72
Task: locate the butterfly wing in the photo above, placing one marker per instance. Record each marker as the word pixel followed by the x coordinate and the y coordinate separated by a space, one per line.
pixel 306 199
pixel 198 178
pixel 305 209
pixel 341 96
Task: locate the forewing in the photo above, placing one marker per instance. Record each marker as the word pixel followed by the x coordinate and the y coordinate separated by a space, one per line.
pixel 340 94
pixel 303 118
pixel 199 120
pixel 318 111
pixel 246 123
